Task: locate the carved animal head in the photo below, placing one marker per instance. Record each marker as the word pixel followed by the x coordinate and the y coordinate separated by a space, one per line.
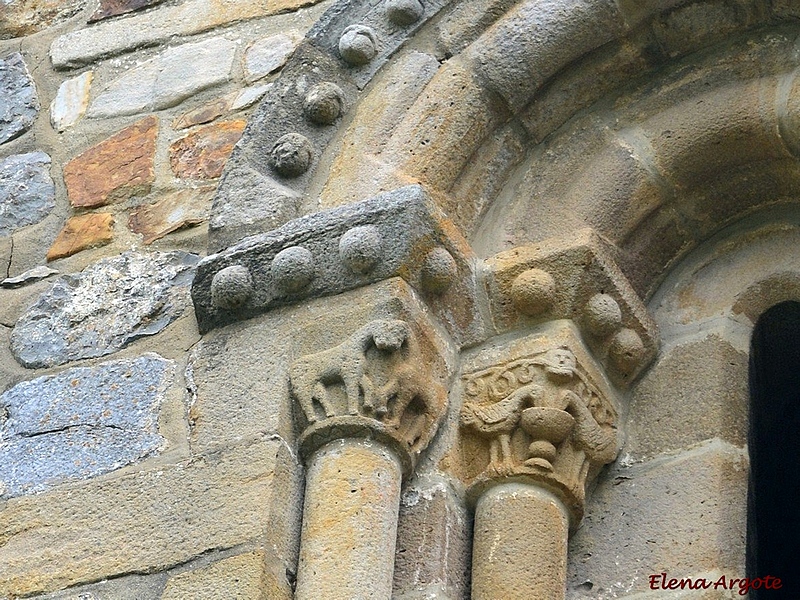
pixel 390 335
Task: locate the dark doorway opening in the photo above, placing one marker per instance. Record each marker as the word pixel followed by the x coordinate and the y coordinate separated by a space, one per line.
pixel 773 502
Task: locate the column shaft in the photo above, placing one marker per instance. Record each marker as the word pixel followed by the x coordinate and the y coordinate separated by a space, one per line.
pixel 520 545
pixel 349 522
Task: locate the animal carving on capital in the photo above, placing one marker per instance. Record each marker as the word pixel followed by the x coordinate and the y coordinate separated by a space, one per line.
pixel 547 402
pixel 377 373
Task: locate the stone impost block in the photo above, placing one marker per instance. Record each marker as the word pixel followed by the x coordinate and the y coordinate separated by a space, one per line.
pixel 239 375
pixel 574 278
pixel 400 233
pixel 536 410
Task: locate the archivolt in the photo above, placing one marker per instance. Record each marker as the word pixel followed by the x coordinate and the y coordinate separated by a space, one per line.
pixel 655 123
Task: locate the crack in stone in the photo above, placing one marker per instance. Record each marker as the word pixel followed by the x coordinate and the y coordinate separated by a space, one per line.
pixel 90 426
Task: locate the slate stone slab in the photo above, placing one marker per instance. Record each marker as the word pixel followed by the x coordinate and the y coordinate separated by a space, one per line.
pixel 18 102
pixel 80 423
pixel 103 308
pixel 27 192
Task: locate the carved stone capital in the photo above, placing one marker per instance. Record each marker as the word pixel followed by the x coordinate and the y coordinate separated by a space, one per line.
pixel 384 382
pixel 541 412
pixel 574 278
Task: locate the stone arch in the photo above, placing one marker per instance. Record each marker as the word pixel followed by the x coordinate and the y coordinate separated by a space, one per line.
pixel 487 105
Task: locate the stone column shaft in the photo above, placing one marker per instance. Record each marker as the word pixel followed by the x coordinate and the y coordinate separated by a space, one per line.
pixel 349 522
pixel 520 544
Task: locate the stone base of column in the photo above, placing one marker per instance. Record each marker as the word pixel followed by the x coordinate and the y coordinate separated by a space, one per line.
pixel 349 522
pixel 520 544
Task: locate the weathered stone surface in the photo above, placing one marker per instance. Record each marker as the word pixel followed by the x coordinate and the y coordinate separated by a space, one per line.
pixel 236 578
pixel 161 517
pixel 188 18
pixel 174 211
pixel 349 521
pixel 128 587
pixel 520 544
pixel 34 274
pixel 117 167
pixel 216 108
pixel 82 232
pixel 166 80
pixel 536 41
pixel 409 227
pixel 19 104
pixel 697 391
pixel 71 101
pixel 80 423
pixel 740 277
pixel 434 536
pixel 103 308
pixel 269 54
pixel 24 17
pixel 202 154
pixel 684 515
pixel 112 8
pixel 27 192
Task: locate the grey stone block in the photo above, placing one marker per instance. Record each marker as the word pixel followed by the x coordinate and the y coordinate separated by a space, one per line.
pixel 19 104
pixel 27 192
pixel 166 80
pixel 410 231
pixel 432 559
pixel 696 391
pixel 80 423
pixel 103 308
pixel 327 33
pixel 684 515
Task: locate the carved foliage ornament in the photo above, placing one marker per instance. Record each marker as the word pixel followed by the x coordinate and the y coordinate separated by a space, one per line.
pixel 538 418
pixel 376 384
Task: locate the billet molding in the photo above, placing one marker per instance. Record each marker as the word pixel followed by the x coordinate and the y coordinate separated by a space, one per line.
pixel 396 234
pixel 574 277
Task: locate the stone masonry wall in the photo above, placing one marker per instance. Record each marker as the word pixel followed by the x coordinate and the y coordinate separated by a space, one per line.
pixel 116 120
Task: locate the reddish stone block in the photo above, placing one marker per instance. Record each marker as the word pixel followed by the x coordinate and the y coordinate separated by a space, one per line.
pixel 116 168
pixel 203 153
pixel 81 232
pixel 112 8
